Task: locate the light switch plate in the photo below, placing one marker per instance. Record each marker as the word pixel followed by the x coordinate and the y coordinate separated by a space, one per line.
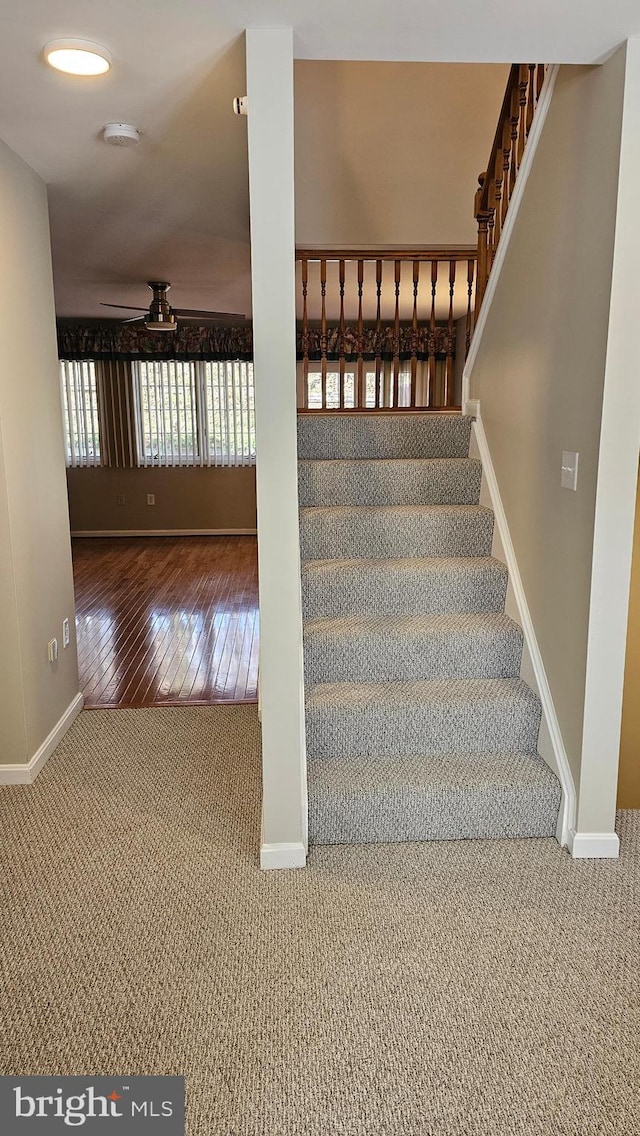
pixel 569 474
pixel 151 498
pixel 66 633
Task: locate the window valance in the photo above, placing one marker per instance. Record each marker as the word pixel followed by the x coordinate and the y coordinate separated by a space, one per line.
pixel 221 344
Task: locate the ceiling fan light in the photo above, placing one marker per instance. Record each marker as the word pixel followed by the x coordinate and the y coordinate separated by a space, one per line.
pixel 161 325
pixel 77 57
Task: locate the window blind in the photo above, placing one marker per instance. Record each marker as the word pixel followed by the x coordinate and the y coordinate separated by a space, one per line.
pixel 194 413
pixel 80 412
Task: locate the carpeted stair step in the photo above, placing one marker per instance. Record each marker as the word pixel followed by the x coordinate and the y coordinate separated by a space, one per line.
pixel 395 530
pixel 432 585
pixel 381 648
pixel 397 718
pixel 379 435
pixel 381 799
pixel 385 481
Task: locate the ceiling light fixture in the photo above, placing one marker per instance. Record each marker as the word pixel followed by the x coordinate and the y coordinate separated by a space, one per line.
pixel 77 57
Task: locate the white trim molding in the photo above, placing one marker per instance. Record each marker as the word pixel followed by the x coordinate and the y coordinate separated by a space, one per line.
pixel 162 532
pixel 551 746
pixel 593 845
pixel 283 856
pixel 27 773
pixel 515 201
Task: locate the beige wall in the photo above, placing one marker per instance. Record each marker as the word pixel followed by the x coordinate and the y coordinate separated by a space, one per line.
pixel 35 559
pixel 389 153
pixel 186 498
pixel 540 370
pixel 629 772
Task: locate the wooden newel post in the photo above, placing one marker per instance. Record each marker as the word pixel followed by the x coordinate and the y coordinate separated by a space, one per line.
pixel 482 215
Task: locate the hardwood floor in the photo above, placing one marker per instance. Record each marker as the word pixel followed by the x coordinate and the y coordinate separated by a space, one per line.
pixel 166 620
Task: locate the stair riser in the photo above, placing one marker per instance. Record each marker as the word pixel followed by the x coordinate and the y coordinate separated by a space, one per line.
pixel 408 814
pixel 376 533
pixel 448 482
pixel 389 657
pixel 329 590
pixel 397 435
pixel 427 728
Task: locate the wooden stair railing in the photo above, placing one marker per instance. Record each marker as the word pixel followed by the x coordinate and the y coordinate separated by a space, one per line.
pixel 378 328
pixel 497 183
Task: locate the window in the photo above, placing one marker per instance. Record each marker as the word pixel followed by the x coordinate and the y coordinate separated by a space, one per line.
pixel 80 412
pixel 194 413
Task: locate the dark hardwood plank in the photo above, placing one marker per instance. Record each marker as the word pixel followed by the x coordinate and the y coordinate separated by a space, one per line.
pixel 163 621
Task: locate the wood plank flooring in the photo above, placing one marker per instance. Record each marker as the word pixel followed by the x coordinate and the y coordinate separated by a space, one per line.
pixel 162 621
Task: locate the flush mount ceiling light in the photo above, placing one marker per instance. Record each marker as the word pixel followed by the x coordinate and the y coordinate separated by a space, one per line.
pixel 77 57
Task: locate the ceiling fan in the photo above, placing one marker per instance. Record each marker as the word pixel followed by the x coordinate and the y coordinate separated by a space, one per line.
pixel 160 316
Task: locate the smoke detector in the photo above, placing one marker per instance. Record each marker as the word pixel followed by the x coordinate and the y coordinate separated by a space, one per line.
pixel 121 134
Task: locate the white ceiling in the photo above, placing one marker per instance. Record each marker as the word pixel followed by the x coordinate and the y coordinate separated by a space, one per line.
pixel 177 206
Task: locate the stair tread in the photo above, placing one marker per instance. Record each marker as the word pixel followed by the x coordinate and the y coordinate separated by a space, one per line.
pixel 395 510
pixel 508 767
pixel 403 563
pixel 420 691
pixel 419 624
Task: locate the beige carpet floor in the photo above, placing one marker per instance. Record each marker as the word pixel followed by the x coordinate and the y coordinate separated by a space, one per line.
pixel 453 989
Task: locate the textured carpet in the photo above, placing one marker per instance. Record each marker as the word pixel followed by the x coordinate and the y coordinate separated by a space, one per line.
pixel 462 988
pixel 417 724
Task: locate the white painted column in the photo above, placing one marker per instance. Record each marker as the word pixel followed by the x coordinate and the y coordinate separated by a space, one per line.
pixel 615 505
pixel 271 187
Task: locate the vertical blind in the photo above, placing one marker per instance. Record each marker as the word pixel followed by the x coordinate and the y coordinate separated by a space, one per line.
pixel 81 412
pixel 194 413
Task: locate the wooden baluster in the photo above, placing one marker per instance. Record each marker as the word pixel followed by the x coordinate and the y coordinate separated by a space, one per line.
pixel 470 269
pixel 540 78
pixel 448 366
pixel 491 220
pixel 323 332
pixel 360 395
pixel 523 85
pixel 497 195
pixel 431 354
pixel 531 95
pixel 305 334
pixel 379 390
pixel 506 162
pixel 514 120
pixel 414 334
pixel 396 339
pixel 341 333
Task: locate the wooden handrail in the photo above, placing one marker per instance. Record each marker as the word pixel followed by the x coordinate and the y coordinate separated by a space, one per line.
pixel 443 252
pixel 497 182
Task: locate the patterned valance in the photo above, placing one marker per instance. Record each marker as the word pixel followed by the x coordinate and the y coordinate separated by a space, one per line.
pixel 386 344
pixel 122 342
pixel 217 344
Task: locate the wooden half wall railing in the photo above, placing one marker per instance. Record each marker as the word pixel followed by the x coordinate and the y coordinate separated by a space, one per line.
pixel 497 183
pixel 390 329
pixel 382 329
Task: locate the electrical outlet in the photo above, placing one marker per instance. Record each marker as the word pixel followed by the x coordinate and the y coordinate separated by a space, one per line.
pixel 121 498
pixel 52 650
pixel 151 498
pixel 66 633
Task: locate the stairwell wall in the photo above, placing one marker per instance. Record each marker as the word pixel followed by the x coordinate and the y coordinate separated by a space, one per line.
pixel 539 374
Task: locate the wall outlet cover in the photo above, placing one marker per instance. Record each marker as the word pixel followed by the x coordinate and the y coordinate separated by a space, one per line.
pixel 569 472
pixel 121 499
pixel 151 498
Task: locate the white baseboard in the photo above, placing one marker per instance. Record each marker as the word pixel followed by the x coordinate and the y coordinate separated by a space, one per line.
pixel 593 845
pixel 26 774
pixel 551 746
pixel 283 856
pixel 162 532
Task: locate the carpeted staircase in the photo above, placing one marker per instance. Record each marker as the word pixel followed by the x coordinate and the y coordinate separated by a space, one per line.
pixel 418 724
